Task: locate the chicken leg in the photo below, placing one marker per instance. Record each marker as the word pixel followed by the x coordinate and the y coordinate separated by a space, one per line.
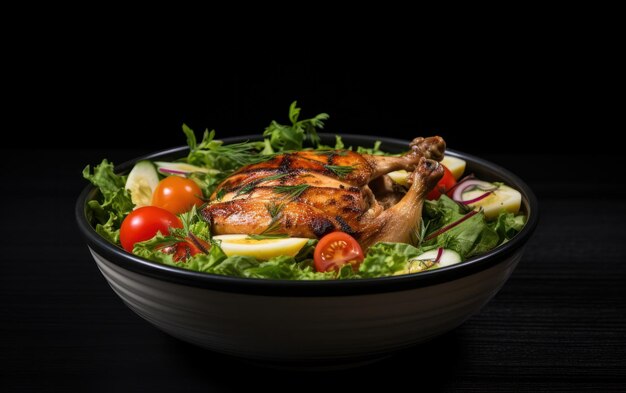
pixel 400 222
pixel 432 147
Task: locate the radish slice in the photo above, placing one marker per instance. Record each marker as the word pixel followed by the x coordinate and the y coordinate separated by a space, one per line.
pixel 181 169
pixel 479 198
pixel 471 184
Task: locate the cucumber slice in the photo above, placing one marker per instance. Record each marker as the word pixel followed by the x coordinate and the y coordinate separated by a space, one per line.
pixel 141 182
pixel 448 257
pixel 426 261
pixel 181 169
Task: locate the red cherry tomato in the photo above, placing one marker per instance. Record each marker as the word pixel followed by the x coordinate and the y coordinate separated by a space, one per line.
pixel 177 194
pixel 143 223
pixel 185 249
pixel 335 250
pixel 444 185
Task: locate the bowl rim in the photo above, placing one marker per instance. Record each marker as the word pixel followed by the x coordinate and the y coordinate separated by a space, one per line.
pixel 298 288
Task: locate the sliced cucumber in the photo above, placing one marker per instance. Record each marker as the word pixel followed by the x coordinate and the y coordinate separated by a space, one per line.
pixel 448 257
pixel 504 198
pixel 181 169
pixel 141 182
pixel 426 261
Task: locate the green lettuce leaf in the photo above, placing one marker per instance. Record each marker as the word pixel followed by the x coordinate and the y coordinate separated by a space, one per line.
pixel 108 210
pixel 384 259
pixel 508 225
pixel 473 236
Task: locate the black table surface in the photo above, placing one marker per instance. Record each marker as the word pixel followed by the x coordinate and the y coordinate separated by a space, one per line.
pixel 559 323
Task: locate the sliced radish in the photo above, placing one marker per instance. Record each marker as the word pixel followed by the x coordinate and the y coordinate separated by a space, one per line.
pixel 470 184
pixel 446 257
pixel 181 169
pixel 141 182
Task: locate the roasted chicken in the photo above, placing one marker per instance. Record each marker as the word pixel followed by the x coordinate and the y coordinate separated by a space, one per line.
pixel 311 193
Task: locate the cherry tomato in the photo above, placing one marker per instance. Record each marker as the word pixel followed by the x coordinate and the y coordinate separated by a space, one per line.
pixel 143 223
pixel 177 194
pixel 335 250
pixel 444 185
pixel 183 250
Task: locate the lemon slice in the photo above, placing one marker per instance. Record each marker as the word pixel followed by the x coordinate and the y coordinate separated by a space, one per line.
pixel 504 198
pixel 455 165
pixel 260 249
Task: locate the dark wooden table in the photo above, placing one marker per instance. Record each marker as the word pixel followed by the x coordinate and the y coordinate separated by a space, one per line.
pixel 558 324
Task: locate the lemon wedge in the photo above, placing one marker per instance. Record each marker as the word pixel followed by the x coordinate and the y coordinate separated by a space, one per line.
pixel 455 165
pixel 260 249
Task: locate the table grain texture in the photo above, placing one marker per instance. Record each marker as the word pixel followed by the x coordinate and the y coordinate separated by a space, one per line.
pixel 559 323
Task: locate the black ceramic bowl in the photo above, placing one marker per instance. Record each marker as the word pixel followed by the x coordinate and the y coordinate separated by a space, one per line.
pixel 310 321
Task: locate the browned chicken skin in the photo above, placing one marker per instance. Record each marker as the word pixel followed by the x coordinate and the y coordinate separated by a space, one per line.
pixel 312 193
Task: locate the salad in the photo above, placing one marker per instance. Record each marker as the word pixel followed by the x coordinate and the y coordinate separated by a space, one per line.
pixel 155 212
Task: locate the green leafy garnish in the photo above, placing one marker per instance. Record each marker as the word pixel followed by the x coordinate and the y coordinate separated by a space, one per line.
pixel 253 184
pixel 276 213
pixel 213 154
pixel 375 150
pixel 292 192
pixel 108 210
pixel 283 137
pixel 385 259
pixel 340 171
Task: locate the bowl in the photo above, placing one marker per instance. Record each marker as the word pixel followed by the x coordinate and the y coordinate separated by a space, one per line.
pixel 281 322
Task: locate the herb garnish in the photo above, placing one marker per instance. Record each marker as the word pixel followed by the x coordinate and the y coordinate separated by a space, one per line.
pixel 340 170
pixel 250 186
pixel 292 192
pixel 276 213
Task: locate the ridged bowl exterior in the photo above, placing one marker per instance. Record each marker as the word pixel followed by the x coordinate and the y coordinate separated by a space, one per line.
pixel 279 328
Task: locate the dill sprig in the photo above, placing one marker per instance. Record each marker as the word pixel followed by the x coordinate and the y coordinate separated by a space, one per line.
pixel 340 170
pixel 251 186
pixel 292 192
pixel 220 194
pixel 276 213
pixel 212 153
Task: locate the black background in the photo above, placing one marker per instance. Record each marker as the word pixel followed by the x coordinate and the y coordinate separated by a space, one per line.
pixel 559 323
